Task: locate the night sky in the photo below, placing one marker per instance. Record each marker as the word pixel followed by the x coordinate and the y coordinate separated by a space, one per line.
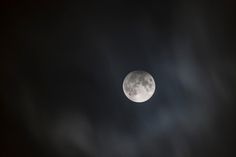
pixel 63 65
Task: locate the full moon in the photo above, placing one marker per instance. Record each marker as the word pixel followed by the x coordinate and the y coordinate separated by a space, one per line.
pixel 139 86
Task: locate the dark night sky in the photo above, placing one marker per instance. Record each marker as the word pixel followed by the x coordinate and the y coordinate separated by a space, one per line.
pixel 63 64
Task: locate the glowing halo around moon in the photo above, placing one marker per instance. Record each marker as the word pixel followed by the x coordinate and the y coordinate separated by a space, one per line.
pixel 139 86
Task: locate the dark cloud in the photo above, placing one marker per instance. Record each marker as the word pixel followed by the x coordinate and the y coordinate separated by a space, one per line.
pixel 64 64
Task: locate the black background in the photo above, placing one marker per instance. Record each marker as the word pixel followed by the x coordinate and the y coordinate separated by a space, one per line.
pixel 63 64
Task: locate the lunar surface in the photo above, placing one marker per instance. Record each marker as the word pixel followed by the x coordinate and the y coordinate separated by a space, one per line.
pixel 139 86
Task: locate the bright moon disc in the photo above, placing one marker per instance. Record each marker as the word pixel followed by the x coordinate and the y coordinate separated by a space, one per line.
pixel 139 86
